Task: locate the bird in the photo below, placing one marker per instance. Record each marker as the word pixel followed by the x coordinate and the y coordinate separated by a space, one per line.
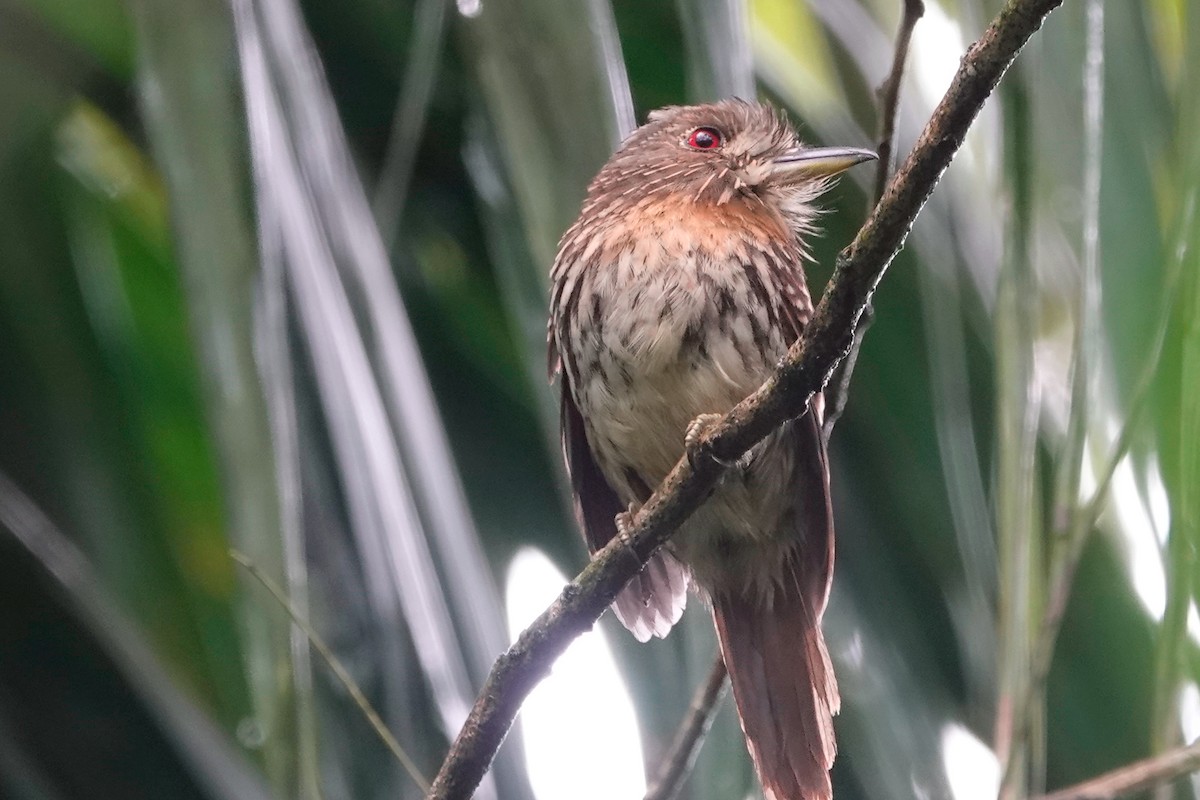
pixel 674 294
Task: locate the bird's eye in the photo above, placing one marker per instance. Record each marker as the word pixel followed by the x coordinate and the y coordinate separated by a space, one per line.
pixel 704 139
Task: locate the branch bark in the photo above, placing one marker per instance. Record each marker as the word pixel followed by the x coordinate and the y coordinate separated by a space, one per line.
pixel 1136 777
pixel 690 735
pixel 805 370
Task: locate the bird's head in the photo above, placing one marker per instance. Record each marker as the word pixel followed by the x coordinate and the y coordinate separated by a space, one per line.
pixel 722 152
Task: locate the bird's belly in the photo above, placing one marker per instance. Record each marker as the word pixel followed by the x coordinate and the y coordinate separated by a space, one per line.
pixel 649 375
pixel 653 342
pixel 641 425
pixel 654 360
pixel 737 536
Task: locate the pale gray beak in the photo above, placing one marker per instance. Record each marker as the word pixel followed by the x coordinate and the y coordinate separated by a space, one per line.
pixel 807 163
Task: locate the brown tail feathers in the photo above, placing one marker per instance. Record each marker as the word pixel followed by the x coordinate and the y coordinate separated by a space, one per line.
pixel 785 690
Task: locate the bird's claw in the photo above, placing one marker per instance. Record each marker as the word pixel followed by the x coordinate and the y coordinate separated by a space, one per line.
pixel 697 431
pixel 625 522
pixel 698 428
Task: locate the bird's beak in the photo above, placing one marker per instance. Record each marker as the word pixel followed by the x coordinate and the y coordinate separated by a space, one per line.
pixel 807 163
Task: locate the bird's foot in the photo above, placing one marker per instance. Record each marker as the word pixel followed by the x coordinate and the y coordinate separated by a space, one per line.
pixel 625 522
pixel 698 430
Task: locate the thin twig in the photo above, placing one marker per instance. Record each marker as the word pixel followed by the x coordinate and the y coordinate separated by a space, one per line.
pixel 785 395
pixel 337 668
pixel 836 393
pixel 1086 519
pixel 1088 516
pixel 1133 778
pixel 408 121
pixel 1072 527
pixel 1019 533
pixel 686 745
pixel 889 95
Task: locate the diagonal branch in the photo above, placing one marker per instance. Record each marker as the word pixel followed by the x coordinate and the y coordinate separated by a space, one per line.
pixel 1133 778
pixel 336 666
pixel 805 370
pixel 686 745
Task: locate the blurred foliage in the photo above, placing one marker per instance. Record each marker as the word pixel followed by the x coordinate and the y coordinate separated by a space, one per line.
pixel 203 252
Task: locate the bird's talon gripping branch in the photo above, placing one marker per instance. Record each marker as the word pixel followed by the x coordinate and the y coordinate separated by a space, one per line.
pixel 625 522
pixel 697 431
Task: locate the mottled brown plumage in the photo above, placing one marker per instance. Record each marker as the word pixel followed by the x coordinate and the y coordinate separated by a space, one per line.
pixel 674 294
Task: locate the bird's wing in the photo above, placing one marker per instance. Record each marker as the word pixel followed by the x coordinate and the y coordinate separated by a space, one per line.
pixel 795 308
pixel 596 503
pixel 814 512
pixel 652 602
pixel 814 516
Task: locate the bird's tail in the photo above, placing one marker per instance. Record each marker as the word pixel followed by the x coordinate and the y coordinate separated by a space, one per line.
pixel 785 690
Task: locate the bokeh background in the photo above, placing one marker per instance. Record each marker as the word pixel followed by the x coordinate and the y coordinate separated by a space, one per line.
pixel 272 277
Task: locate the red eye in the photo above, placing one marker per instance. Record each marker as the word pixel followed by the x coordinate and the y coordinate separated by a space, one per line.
pixel 704 139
